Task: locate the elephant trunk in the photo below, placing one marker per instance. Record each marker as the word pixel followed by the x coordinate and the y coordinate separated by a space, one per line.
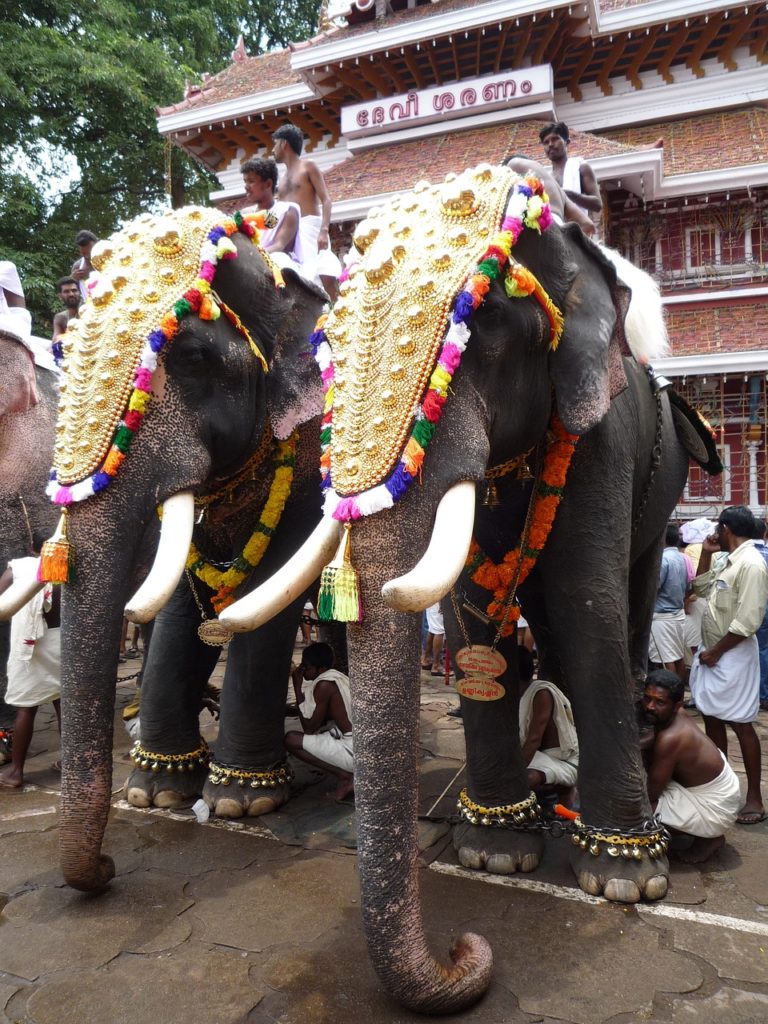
pixel 384 671
pixel 105 539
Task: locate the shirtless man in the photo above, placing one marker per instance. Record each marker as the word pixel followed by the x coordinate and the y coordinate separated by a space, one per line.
pixel 69 295
pixel 559 202
pixel 324 705
pixel 691 786
pixel 260 181
pixel 575 176
pixel 303 184
pixel 547 732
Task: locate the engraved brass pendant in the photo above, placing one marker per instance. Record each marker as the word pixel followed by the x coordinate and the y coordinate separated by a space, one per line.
pixel 524 471
pixel 212 632
pixel 480 665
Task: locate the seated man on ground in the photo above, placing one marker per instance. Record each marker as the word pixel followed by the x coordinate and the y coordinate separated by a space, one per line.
pixel 691 786
pixel 547 732
pixel 324 703
pixel 260 181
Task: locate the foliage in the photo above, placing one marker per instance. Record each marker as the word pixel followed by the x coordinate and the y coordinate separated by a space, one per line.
pixel 78 138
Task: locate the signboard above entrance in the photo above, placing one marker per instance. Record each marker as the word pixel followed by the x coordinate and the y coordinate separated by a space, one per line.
pixel 446 102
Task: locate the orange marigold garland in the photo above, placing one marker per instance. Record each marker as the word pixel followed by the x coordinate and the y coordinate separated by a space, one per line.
pixel 517 563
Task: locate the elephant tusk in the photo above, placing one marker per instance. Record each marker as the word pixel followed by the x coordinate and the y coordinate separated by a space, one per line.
pixel 17 595
pixel 172 551
pixel 288 583
pixel 441 564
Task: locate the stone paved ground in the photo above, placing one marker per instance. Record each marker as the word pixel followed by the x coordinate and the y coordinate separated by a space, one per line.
pixel 259 923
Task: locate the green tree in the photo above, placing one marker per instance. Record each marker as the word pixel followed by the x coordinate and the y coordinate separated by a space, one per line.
pixel 78 92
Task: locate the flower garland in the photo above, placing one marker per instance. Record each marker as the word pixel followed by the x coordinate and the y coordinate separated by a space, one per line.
pixel 199 299
pixel 528 207
pixel 225 582
pixel 517 563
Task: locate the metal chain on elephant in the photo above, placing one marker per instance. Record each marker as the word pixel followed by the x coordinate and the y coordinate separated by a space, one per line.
pixel 655 463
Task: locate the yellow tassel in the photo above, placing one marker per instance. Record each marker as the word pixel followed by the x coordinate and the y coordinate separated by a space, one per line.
pixel 57 558
pixel 339 598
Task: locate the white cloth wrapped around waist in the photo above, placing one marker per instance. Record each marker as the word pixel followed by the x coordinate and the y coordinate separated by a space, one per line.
pixel 34 661
pixel 729 690
pixel 556 769
pixel 562 715
pixel 708 810
pixel 667 639
pixel 316 261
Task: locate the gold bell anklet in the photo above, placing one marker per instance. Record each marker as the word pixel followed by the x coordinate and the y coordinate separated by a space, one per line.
pixel 524 812
pixel 223 774
pixel 170 762
pixel 630 845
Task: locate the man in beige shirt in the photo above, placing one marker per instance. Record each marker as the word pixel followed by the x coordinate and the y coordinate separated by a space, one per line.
pixel 725 674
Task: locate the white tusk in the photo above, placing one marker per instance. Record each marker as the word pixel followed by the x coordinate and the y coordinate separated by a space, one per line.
pixel 288 583
pixel 172 552
pixel 17 595
pixel 441 564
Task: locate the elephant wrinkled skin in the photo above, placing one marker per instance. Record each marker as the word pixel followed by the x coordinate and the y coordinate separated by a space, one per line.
pixel 597 573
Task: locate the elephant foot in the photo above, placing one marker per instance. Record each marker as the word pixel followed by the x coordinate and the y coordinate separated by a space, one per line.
pixel 233 792
pixel 497 850
pixel 621 879
pixel 165 780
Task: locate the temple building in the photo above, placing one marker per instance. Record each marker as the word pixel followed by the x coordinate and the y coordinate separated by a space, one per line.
pixel 666 101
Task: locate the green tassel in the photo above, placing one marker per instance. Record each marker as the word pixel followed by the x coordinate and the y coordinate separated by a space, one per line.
pixel 339 598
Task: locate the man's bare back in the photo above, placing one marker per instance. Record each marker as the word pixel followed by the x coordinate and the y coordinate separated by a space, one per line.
pixel 696 759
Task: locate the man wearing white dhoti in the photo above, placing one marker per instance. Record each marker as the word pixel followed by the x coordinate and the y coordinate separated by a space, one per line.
pixel 725 674
pixel 547 730
pixel 34 664
pixel 303 183
pixel 667 641
pixel 325 707
pixel 574 175
pixel 690 783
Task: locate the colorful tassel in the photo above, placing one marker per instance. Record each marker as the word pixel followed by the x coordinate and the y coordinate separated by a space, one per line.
pixel 57 558
pixel 339 599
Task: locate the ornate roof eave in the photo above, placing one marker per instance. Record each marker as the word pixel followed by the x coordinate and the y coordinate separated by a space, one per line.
pixel 342 46
pixel 714 363
pixel 241 106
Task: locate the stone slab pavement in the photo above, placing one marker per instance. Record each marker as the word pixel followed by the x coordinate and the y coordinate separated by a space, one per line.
pixel 259 923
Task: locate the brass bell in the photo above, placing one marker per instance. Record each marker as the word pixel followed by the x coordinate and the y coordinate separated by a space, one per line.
pixel 524 471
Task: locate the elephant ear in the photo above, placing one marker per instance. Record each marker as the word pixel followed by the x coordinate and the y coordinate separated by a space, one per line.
pixel 586 368
pixel 294 385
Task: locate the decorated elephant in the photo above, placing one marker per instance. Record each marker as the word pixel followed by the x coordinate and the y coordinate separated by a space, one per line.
pixel 176 394
pixel 473 331
pixel 28 400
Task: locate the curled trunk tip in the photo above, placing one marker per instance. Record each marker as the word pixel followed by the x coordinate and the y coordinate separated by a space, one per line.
pixel 452 988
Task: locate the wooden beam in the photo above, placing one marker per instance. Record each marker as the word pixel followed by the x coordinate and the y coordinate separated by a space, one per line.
pixel 578 71
pixel 633 71
pixel 413 67
pixel 358 86
pixel 325 120
pixel 456 62
pixel 437 78
pixel 500 44
pixel 759 46
pixel 609 64
pixel 673 48
pixel 522 45
pixel 707 34
pixel 737 33
pixel 544 41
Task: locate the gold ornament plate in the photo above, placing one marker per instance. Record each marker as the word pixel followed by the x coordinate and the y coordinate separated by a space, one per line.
pixel 480 665
pixel 480 688
pixel 387 326
pixel 212 632
pixel 142 271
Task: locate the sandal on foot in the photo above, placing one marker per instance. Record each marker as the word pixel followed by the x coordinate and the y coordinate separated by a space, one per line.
pixel 751 817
